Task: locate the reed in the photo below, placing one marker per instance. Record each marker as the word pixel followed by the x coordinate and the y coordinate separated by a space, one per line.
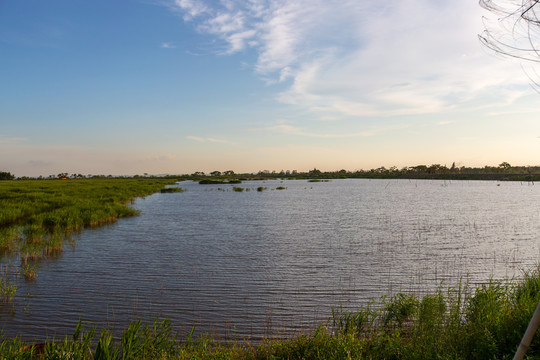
pixel 8 239
pixel 7 288
pixel 29 271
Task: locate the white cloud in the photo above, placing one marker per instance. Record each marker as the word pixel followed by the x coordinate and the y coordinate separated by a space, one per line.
pixel 293 130
pixel 209 140
pixel 359 59
pixel 191 8
pixel 195 138
pixel 168 46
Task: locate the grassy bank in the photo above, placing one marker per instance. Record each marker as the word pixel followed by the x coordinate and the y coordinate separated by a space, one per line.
pixel 458 323
pixel 36 216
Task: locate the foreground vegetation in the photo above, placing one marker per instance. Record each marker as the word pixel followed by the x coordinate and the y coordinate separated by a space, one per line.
pixel 37 216
pixel 459 323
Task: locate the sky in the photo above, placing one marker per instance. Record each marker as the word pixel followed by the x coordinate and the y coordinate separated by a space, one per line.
pixel 129 87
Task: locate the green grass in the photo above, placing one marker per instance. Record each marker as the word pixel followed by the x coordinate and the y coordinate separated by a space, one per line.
pixel 37 216
pixel 458 323
pixel 219 181
pixel 7 288
pixel 172 190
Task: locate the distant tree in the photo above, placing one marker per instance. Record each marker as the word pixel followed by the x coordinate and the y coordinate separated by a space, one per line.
pixel 228 173
pixel 504 166
pixel 215 173
pixel 419 169
pixel 4 175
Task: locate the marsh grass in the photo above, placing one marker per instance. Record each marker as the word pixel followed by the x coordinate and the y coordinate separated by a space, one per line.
pixel 29 271
pixel 172 190
pixel 8 239
pixel 38 216
pixel 7 287
pixel 458 323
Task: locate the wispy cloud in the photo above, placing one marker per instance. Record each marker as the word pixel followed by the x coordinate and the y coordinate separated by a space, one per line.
pixel 40 163
pixel 164 157
pixel 168 46
pixel 445 122
pixel 358 59
pixel 12 140
pixel 209 140
pixel 288 129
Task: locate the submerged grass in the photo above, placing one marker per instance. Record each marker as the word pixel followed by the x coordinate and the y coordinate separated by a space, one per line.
pixel 459 323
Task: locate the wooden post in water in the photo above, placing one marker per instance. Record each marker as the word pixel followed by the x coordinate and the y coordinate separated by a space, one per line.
pixel 529 334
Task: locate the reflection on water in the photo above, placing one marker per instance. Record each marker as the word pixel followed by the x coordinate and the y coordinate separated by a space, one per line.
pixel 250 264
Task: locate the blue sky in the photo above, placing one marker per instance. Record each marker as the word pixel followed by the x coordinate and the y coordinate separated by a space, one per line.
pixel 177 86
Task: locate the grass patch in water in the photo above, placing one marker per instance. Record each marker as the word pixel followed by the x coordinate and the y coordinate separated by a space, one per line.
pixel 172 190
pixel 29 271
pixel 218 181
pixel 7 288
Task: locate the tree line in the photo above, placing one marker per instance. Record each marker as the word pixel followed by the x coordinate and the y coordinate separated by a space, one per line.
pixel 503 171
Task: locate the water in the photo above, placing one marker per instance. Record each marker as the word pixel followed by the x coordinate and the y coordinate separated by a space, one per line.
pixel 253 264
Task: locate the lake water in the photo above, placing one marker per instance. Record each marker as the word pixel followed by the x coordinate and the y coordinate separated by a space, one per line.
pixel 252 264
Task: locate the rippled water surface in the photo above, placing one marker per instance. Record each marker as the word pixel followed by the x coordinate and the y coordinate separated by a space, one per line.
pixel 249 264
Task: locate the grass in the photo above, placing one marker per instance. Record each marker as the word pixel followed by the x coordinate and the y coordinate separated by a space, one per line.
pixel 29 271
pixel 172 190
pixel 37 216
pixel 7 288
pixel 459 323
pixel 219 181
